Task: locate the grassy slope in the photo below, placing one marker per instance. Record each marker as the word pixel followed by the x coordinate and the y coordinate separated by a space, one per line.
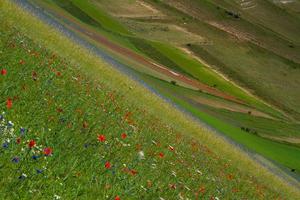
pixel 282 153
pixel 205 75
pixel 272 17
pixel 182 63
pixel 191 66
pixel 104 19
pixel 259 124
pixel 243 60
pixel 67 110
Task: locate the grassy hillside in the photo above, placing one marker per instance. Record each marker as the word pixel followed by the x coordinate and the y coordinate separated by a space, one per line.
pixel 74 128
pixel 278 140
pixel 258 41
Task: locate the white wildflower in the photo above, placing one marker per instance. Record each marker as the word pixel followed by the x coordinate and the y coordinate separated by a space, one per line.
pixel 141 155
pixel 186 187
pixel 57 197
pixel 153 166
pixel 199 172
pixel 174 173
pixel 143 188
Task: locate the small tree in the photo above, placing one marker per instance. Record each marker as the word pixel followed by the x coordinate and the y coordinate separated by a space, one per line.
pixel 173 82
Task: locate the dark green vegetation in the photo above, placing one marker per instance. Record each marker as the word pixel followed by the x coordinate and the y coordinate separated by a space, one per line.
pixel 72 128
pixel 248 53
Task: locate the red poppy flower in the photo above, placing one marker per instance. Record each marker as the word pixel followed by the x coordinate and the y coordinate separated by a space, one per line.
pixel 18 140
pixel 9 103
pixel 101 138
pixel 133 172
pixel 117 198
pixel 31 143
pixel 3 72
pixel 161 154
pixel 48 151
pixel 124 135
pixel 58 73
pixel 107 165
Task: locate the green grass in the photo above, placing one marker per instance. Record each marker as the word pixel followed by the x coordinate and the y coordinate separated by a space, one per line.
pixel 241 60
pixel 260 73
pixel 260 60
pixel 284 154
pixel 107 21
pixel 67 8
pixel 65 97
pixel 191 66
pixel 261 125
pixel 178 61
pixel 174 58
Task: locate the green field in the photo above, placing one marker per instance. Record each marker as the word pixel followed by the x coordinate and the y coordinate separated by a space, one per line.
pixel 165 54
pixel 282 153
pixel 243 61
pixel 250 50
pixel 73 128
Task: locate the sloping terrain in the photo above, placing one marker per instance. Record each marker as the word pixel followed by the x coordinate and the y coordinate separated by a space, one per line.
pixel 191 76
pixel 72 127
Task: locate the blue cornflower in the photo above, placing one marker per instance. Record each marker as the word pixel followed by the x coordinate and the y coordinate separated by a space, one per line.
pixel 39 171
pixel 35 157
pixel 15 159
pixel 1 117
pixel 22 131
pixel 5 145
pixel 86 145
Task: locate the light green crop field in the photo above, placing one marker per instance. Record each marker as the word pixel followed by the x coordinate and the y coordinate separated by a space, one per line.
pixel 72 127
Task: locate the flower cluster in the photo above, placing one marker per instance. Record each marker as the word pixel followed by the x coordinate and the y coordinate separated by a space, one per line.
pixel 22 149
pixel 79 133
